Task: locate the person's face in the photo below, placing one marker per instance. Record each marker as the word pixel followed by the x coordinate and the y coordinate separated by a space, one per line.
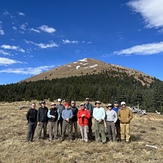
pixel 87 101
pixel 33 106
pixel 53 106
pixel 72 104
pixel 98 105
pixel 109 107
pixel 43 105
pixel 66 106
pixel 123 106
pixel 82 107
pixel 116 105
pixel 59 102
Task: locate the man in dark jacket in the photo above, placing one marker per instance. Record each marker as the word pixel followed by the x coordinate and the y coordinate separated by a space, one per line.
pixel 32 122
pixel 60 108
pixel 89 107
pixel 42 120
pixel 53 121
pixel 74 118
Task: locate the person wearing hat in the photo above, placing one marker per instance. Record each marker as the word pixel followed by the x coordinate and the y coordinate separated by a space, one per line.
pixel 74 118
pixel 125 116
pixel 117 124
pixel 111 118
pixel 89 107
pixel 99 116
pixel 83 117
pixel 32 122
pixel 67 115
pixel 53 115
pixel 42 120
pixel 60 108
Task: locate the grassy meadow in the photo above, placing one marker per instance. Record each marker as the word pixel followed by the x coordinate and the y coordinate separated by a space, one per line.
pixel 146 142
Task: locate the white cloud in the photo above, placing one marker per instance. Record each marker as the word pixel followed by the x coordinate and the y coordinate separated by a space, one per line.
pixel 4 52
pixel 151 11
pixel 34 30
pixel 23 26
pixel 1 30
pixel 144 49
pixel 69 42
pixel 21 14
pixel 6 13
pixel 13 48
pixel 47 29
pixel 7 61
pixel 43 46
pixel 28 70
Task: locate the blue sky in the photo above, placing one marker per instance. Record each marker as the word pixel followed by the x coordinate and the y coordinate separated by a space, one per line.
pixel 36 36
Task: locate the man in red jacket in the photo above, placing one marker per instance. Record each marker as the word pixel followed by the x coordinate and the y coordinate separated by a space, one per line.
pixel 83 116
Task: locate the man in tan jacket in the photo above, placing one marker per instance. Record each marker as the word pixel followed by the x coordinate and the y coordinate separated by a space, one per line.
pixel 125 116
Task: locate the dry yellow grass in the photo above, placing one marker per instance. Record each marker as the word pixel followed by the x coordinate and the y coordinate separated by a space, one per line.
pixel 146 130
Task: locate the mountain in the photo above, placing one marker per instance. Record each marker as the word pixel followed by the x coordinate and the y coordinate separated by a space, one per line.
pixel 90 66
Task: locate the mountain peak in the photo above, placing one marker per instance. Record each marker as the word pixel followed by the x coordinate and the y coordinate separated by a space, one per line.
pixel 88 66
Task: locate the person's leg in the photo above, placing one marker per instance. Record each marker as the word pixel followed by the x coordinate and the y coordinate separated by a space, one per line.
pixel 113 131
pixel 122 130
pixel 50 130
pixel 55 129
pixel 76 129
pixel 44 129
pixel 117 125
pixel 97 137
pixel 82 131
pixel 127 132
pixel 109 130
pixel 33 131
pixel 64 126
pixel 85 130
pixel 29 131
pixel 40 126
pixel 90 128
pixel 102 131
pixel 70 130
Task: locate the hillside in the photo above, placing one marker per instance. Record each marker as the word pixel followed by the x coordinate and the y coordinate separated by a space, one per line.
pixel 89 66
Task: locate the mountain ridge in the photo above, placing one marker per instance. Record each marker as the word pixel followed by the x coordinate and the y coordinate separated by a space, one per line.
pixel 88 66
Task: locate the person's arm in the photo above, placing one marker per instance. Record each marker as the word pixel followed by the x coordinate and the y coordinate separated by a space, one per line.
pixel 58 114
pixel 63 115
pixel 71 114
pixel 115 117
pixel 49 115
pixel 88 114
pixel 38 116
pixel 103 114
pixel 27 115
pixel 130 115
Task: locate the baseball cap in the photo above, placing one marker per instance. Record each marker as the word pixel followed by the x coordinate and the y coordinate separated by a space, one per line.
pixel 53 103
pixel 72 102
pixel 82 104
pixel 115 102
pixel 97 102
pixel 109 105
pixel 87 99
pixel 123 103
pixel 67 104
pixel 42 102
pixel 59 99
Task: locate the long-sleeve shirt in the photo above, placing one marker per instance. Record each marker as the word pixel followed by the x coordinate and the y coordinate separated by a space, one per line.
pixel 32 115
pixel 67 113
pixel 99 113
pixel 111 115
pixel 125 115
pixel 42 114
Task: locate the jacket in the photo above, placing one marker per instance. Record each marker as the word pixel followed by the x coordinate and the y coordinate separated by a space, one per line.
pixel 42 114
pixel 89 107
pixel 74 111
pixel 53 112
pixel 125 115
pixel 83 121
pixel 32 116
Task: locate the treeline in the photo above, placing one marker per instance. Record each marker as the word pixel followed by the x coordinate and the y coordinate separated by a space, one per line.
pixel 102 86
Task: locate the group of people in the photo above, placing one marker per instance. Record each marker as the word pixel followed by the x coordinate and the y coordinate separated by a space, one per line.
pixel 62 119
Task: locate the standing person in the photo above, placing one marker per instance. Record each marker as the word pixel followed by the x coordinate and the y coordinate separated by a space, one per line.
pixel 42 120
pixel 125 116
pixel 60 108
pixel 32 122
pixel 99 116
pixel 67 122
pixel 117 124
pixel 111 118
pixel 53 121
pixel 83 117
pixel 89 107
pixel 74 118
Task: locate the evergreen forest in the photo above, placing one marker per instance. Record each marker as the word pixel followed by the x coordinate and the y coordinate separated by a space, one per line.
pixel 104 86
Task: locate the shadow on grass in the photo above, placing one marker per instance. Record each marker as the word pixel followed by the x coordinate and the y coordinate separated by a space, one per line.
pixel 136 137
